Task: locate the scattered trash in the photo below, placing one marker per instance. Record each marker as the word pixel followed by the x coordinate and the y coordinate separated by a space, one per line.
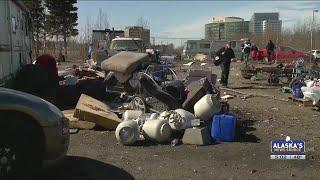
pixel 253 171
pixel 131 114
pixel 188 64
pixel 127 132
pixel 92 110
pixel 253 78
pixel 225 97
pixel 200 57
pixel 73 131
pixel 206 107
pixel 296 90
pixel 223 127
pixel 312 91
pixel 180 119
pixel 157 130
pixel 70 80
pixel 124 62
pixel 82 125
pixel 197 90
pixel 275 109
pixel 197 136
pixel 203 64
pixel 175 142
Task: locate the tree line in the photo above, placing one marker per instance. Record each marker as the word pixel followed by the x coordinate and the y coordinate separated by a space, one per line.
pixel 51 18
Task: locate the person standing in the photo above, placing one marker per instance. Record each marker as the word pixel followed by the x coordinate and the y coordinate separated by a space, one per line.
pixel 246 50
pixel 224 56
pixel 242 51
pixel 270 49
pixel 90 50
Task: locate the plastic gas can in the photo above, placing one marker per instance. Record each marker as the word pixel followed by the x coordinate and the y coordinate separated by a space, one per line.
pixel 223 127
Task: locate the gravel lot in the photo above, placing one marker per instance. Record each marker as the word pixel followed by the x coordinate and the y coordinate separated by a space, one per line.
pixel 96 155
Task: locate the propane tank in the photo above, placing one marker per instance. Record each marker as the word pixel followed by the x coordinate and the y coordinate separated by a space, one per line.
pixel 131 115
pixel 206 107
pixel 127 132
pixel 157 130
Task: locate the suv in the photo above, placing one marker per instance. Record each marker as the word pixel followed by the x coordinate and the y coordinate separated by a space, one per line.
pixel 33 134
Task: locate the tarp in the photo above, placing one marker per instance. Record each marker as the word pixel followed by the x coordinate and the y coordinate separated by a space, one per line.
pixel 124 62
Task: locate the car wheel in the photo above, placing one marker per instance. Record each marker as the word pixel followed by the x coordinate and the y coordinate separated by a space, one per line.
pixel 20 148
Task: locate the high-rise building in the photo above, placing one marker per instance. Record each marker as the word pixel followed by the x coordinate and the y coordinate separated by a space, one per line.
pixel 226 28
pixel 138 32
pixel 265 22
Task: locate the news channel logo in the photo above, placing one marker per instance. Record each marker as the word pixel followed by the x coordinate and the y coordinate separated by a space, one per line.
pixel 287 149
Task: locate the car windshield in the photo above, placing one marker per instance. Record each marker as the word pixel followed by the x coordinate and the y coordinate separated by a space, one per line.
pixel 126 45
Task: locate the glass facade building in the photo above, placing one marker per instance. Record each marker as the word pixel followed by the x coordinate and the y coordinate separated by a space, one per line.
pixel 227 30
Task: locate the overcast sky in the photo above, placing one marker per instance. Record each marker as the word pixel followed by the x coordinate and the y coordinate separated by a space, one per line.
pixel 187 18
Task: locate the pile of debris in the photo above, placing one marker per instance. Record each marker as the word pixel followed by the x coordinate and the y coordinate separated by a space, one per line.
pixel 160 128
pixel 190 110
pixel 153 105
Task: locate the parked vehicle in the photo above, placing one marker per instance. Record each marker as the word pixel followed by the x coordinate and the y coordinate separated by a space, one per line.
pixel 285 54
pixel 15 39
pixel 120 44
pixel 33 134
pixel 207 47
pixel 126 44
pixel 315 53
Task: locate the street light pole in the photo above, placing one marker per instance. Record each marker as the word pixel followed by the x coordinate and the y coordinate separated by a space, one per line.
pixel 311 32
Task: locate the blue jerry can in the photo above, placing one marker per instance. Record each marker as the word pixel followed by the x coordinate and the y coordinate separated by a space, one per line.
pixel 223 127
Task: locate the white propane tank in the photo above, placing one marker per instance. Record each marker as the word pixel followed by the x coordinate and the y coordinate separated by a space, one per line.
pixel 131 115
pixel 157 129
pixel 185 114
pixel 206 107
pixel 180 119
pixel 127 132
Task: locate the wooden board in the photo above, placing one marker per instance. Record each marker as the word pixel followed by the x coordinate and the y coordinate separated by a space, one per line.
pixel 75 123
pixel 92 110
pixel 82 125
pixel 304 102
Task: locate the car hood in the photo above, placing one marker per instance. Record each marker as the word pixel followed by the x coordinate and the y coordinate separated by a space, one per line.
pixel 29 104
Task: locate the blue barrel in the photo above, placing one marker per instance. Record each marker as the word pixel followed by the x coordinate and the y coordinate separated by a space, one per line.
pixel 223 127
pixel 296 90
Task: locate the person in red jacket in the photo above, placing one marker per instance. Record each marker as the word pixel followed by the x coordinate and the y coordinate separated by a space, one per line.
pixel 48 63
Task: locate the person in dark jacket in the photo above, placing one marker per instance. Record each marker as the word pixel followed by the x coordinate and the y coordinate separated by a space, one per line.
pixel 225 55
pixel 270 49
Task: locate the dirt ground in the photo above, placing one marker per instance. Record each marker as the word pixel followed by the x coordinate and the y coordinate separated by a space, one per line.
pixel 96 155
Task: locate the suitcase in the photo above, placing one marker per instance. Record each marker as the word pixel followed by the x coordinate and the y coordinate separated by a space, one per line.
pixel 223 127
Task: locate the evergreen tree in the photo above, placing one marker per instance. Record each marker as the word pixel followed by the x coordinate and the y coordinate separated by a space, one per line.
pixel 36 10
pixel 62 19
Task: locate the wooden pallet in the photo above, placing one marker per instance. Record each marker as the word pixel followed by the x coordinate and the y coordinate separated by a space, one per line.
pixel 301 101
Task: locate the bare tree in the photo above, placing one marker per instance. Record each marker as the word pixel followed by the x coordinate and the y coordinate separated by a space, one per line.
pixel 88 30
pixel 102 21
pixel 143 23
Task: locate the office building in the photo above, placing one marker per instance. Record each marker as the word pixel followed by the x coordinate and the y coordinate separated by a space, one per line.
pixel 227 28
pixel 265 23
